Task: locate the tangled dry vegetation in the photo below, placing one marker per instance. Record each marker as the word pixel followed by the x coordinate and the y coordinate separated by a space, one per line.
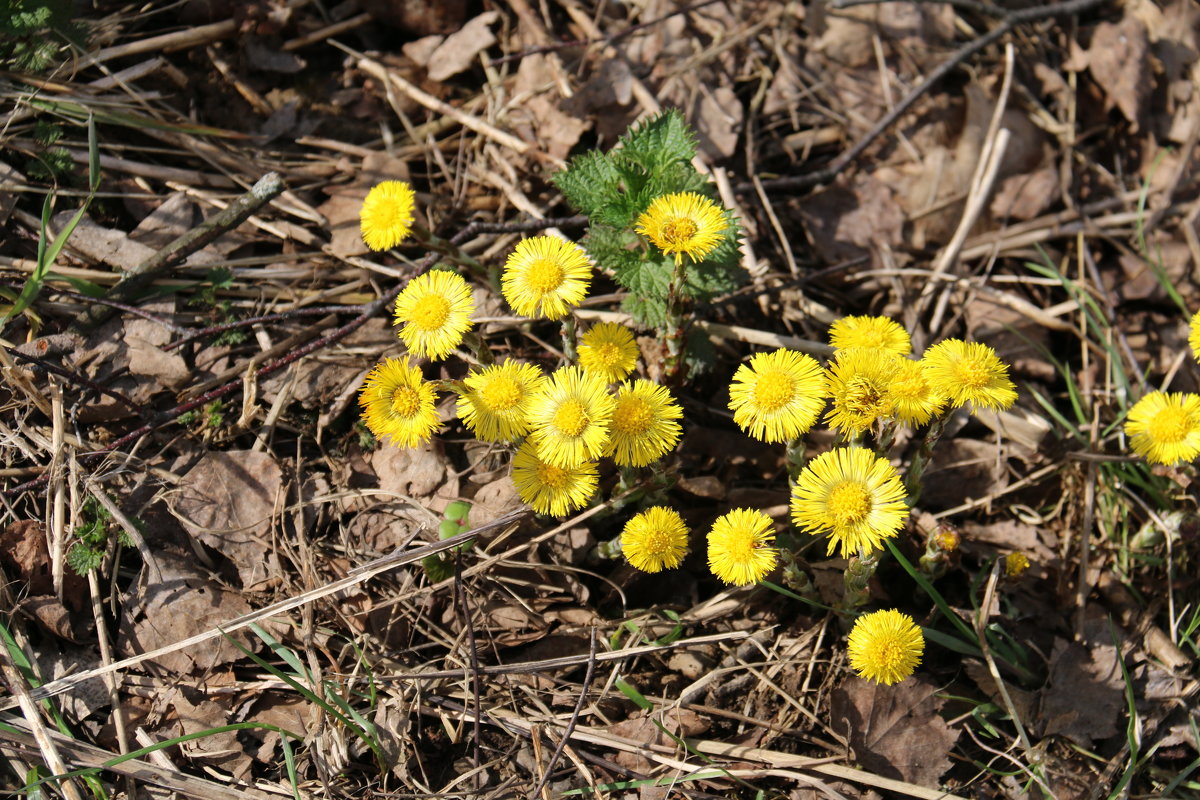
pixel 212 581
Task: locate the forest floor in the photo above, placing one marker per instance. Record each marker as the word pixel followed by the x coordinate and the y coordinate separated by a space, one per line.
pixel 212 579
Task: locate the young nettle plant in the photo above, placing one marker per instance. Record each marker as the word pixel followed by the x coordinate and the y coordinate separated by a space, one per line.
pixel 653 223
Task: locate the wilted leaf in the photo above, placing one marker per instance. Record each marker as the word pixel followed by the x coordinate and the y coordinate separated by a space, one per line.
pixel 894 731
pixel 227 501
pixel 1119 60
pixel 1084 694
pixel 182 605
pixel 461 48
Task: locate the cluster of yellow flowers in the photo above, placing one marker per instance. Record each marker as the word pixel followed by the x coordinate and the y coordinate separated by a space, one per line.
pixel 1164 427
pixel 849 493
pixel 563 422
pixel 560 423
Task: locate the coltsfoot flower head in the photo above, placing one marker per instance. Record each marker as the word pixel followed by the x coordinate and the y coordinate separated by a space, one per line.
pixel 912 399
pixel 885 646
pixel 1164 428
pixel 778 395
pixel 859 378
pixel 739 547
pixel 398 403
pixel 853 495
pixel 644 424
pixel 1015 564
pixel 683 223
pixel 545 276
pixel 863 331
pixel 434 311
pixel 569 418
pixel 609 351
pixel 495 406
pixel 1194 335
pixel 655 539
pixel 549 489
pixel 971 372
pixel 386 217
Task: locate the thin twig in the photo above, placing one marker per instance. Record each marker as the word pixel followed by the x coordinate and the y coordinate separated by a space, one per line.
pixel 1010 21
pixel 603 40
pixel 473 651
pixel 76 378
pixel 571 723
pixel 266 189
pixel 366 312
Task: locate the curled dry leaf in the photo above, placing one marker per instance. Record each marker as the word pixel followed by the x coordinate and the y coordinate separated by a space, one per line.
pixel 184 604
pixel 228 501
pixel 895 731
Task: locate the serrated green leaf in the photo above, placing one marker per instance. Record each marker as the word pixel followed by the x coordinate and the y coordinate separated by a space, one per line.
pixel 647 312
pixel 646 276
pixel 589 183
pixel 699 355
pixel 660 142
pixel 612 247
pixel 83 559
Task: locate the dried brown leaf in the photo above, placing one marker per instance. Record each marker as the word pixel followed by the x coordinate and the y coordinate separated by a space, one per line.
pixel 1084 694
pixel 1119 61
pixel 895 731
pixel 227 501
pixel 184 604
pixel 460 49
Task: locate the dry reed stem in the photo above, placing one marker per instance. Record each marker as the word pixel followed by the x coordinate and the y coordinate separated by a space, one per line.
pixel 389 77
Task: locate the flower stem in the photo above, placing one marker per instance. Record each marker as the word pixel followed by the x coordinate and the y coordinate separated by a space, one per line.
pixel 858 578
pixel 673 363
pixel 569 340
pixel 916 468
pixel 483 353
pixel 606 550
pixel 794 576
pixel 887 435
pixel 795 459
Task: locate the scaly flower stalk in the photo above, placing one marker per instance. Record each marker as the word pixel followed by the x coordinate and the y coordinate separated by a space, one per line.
pixel 858 576
pixel 916 468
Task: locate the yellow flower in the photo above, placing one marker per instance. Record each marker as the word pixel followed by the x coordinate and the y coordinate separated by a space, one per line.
pixel 777 396
pixel 882 332
pixel 853 495
pixel 495 406
pixel 965 372
pixel 398 403
pixel 609 351
pixel 1194 335
pixel 739 550
pixel 569 419
pixel 386 217
pixel 1015 564
pixel 885 646
pixel 655 539
pixel 549 489
pixel 859 378
pixel 913 401
pixel 435 310
pixel 545 276
pixel 643 424
pixel 682 224
pixel 1164 428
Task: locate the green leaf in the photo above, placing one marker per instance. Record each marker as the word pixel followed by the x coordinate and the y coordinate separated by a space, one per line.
pixel 660 142
pixel 80 285
pixel 634 695
pixel 615 249
pixel 647 277
pixel 589 182
pixel 647 312
pixel 83 559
